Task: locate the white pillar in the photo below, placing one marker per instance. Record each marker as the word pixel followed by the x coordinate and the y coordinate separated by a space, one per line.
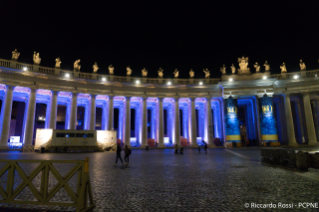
pixel 177 128
pixel 5 117
pixel 30 118
pixel 54 109
pixel 73 117
pixel 209 128
pixel 160 123
pixel 110 114
pixel 309 120
pixel 93 111
pixel 144 122
pixel 193 123
pixel 127 135
pixel 289 122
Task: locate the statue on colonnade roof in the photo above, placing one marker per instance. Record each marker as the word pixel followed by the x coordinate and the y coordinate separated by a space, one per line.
pixel 144 72
pixel 176 73
pixel 57 62
pixel 95 67
pixel 233 68
pixel 257 67
pixel 243 63
pixel 77 65
pixel 111 69
pixel 36 58
pixel 302 66
pixel 15 54
pixel 207 72
pixel 283 68
pixel 128 71
pixel 191 73
pixel 267 66
pixel 223 69
pixel 160 73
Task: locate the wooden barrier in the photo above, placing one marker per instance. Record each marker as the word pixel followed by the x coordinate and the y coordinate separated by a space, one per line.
pixel 43 197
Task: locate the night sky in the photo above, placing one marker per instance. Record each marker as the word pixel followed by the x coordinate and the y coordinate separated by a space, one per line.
pixel 153 34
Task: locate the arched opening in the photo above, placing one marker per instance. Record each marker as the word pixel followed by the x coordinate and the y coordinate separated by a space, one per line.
pixel 181 125
pixel 149 123
pixel 98 118
pixel 80 118
pixel 61 117
pixel 247 114
pixel 17 121
pixel 165 122
pixel 40 118
pixel 116 117
pixel 212 124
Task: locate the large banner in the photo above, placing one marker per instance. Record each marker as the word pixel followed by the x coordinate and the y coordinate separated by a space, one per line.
pixel 268 126
pixel 231 120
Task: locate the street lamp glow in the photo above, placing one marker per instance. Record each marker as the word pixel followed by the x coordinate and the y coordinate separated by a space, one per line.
pixel 296 76
pixel 137 82
pixel 230 79
pixel 169 83
pixel 200 83
pixel 67 75
pixel 264 77
pixel 103 79
pixel 25 68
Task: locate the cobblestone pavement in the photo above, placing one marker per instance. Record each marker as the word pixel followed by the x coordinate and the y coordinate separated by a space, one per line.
pixel 159 180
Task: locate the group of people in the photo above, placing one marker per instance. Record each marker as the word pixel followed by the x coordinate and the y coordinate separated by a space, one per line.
pixel 127 152
pixel 181 150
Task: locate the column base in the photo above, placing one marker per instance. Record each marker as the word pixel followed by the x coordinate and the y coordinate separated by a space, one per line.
pixel 161 146
pixel 194 145
pixel 128 145
pixel 144 145
pixel 313 143
pixel 28 148
pixel 211 145
pixel 4 147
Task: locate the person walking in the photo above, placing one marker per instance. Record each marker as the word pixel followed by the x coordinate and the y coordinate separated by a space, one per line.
pixel 127 152
pixel 205 147
pixel 118 154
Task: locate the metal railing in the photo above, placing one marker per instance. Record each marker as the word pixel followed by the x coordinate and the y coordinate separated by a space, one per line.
pixel 44 194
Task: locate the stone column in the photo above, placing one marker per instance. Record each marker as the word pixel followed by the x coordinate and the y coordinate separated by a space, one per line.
pixel 74 109
pixel 309 120
pixel 177 128
pixel 93 111
pixel 5 118
pixel 192 116
pixel 144 122
pixel 54 109
pixel 127 136
pixel 30 118
pixel 110 115
pixel 289 122
pixel 209 129
pixel 160 123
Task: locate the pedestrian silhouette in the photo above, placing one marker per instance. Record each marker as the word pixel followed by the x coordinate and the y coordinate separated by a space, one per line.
pixel 205 147
pixel 118 154
pixel 176 148
pixel 127 152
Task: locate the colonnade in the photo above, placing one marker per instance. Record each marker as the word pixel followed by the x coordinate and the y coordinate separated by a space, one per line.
pixel 261 117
